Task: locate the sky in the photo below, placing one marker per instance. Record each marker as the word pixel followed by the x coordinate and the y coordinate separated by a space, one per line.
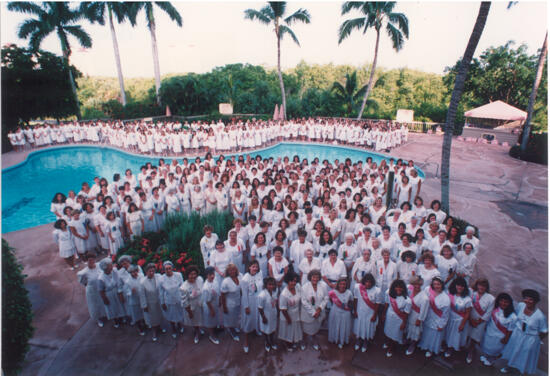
pixel 216 33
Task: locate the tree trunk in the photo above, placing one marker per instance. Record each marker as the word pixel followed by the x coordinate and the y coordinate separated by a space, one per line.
pixel 152 29
pixel 281 83
pixel 455 98
pixel 117 58
pixel 371 78
pixel 65 52
pixel 533 96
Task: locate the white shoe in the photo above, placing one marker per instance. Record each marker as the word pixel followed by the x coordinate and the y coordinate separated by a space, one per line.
pixel 428 354
pixel 302 347
pixel 267 348
pixel 364 349
pixel 174 335
pixel 469 359
pixel 316 347
pixel 487 363
pixel 385 346
pixel 100 324
pixel 504 370
pixel 155 339
pixel 215 341
pixel 246 349
pixel 142 333
pixel 389 354
pixel 447 354
pixel 196 339
pixel 340 346
pixel 163 331
pixel 274 347
pixel 356 347
pixel 409 351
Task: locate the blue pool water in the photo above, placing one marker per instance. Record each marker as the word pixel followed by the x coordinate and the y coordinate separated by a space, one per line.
pixel 28 188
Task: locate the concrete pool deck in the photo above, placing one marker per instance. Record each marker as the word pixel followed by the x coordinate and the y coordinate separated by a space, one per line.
pixel 504 197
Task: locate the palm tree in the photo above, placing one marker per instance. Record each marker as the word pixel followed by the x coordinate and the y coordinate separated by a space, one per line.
pixel 533 96
pixel 348 93
pixel 52 17
pixel 375 15
pixel 455 98
pixel 274 12
pixel 95 12
pixel 147 7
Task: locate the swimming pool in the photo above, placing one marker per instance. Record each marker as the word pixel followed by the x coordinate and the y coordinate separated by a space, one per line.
pixel 28 188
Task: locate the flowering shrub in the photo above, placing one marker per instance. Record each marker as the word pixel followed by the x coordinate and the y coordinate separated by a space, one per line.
pixel 178 241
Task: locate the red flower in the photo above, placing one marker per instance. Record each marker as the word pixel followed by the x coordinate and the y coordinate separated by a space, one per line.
pixel 141 262
pixel 113 258
pixel 182 269
pixel 180 260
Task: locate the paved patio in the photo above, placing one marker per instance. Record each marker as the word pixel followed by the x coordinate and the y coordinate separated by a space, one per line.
pixel 504 197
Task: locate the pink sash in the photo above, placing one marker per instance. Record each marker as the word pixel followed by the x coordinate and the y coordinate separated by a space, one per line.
pixel 477 306
pixel 497 322
pixel 365 296
pixel 399 313
pixel 453 307
pixel 436 310
pixel 335 300
pixel 414 306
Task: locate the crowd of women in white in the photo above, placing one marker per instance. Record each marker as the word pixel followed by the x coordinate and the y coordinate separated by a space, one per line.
pixel 318 243
pixel 175 138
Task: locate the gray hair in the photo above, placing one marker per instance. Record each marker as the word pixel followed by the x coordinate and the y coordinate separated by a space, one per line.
pixel 125 258
pixel 133 268
pixel 104 263
pixel 167 263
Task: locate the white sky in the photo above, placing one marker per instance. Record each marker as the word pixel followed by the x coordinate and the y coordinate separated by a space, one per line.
pixel 216 33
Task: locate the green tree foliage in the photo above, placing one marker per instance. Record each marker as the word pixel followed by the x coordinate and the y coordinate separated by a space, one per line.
pixel 16 312
pixel 502 73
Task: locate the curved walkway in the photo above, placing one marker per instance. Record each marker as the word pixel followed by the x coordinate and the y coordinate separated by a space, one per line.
pixel 505 197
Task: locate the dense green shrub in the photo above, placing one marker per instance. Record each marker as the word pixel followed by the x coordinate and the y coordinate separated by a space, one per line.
pixel 17 313
pixel 178 242
pixel 537 149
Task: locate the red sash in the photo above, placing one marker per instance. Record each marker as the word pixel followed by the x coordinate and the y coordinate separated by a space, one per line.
pixel 453 307
pixel 476 304
pixel 399 313
pixel 335 300
pixel 365 296
pixel 497 322
pixel 436 310
pixel 414 306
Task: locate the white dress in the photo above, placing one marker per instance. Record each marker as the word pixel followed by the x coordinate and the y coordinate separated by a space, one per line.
pixel 149 297
pixel 236 251
pixel 232 293
pixel 89 278
pixel 312 300
pixel 431 337
pixel 191 298
pixel 419 311
pixel 268 303
pixel 65 242
pixel 170 295
pixel 523 348
pixel 211 294
pixel 251 286
pixel 305 267
pixel 114 230
pixel 481 308
pixel 291 303
pixel 491 344
pixel 453 337
pixel 363 327
pixel 131 294
pixel 392 325
pixel 112 285
pixel 339 319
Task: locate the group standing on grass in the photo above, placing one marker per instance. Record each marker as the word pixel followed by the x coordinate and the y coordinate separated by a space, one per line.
pixel 313 246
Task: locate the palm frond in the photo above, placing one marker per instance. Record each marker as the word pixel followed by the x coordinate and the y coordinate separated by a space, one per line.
pixel 279 8
pixel 82 36
pixel 120 10
pixel 171 11
pixel 253 14
pixel 36 38
pixel 286 30
pixel 26 7
pixel 349 5
pixel 402 22
pixel 396 36
pixel 339 89
pixel 93 11
pixel 348 26
pixel 28 27
pixel 301 15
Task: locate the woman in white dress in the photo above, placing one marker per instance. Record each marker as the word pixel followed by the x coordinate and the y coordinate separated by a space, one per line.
pixel 339 319
pixel 222 198
pixel 456 333
pixel 136 225
pixel 64 239
pixel 147 210
pixel 191 291
pixel 171 297
pixel 499 329
pixel 110 288
pixel 277 266
pixel 523 348
pixel 149 297
pixel 427 269
pixel 482 303
pixel 159 208
pixel 386 271
pixel 210 197
pixel 251 286
pixel 396 314
pixel 211 314
pixel 433 331
pixel 208 244
pixel 314 301
pixel 290 326
pixel 260 252
pixel 57 205
pixel 80 232
pixel 419 311
pixel 131 293
pixel 366 298
pixel 406 267
pixel 231 300
pixel 219 260
pixel 88 277
pixel 308 264
pixel 363 266
pixel 267 309
pixel 114 233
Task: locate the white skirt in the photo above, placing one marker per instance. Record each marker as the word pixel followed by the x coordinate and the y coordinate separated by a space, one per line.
pixel 339 325
pixel 364 328
pixel 231 318
pixel 431 340
pixel 453 337
pixel 290 333
pixel 195 321
pixel 173 313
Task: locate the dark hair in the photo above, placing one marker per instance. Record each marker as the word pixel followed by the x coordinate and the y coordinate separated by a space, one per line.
pixel 408 253
pixel 435 202
pixel 398 283
pixel 209 270
pixel 190 269
pixel 253 262
pixel 63 198
pixel 277 249
pixel 322 240
pixel 437 279
pixel 504 296
pixel 269 280
pixel 459 281
pixel 291 276
pixel 280 232
pixel 332 251
pixel 482 281
pixel 530 293
pixel 313 272
pixel 57 223
pixel 368 277
pixel 257 235
pixel 348 213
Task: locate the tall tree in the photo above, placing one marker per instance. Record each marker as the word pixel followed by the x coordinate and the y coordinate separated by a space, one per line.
pixel 455 98
pixel 274 13
pixel 97 11
pixel 147 7
pixel 533 96
pixel 52 17
pixel 376 15
pixel 348 93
